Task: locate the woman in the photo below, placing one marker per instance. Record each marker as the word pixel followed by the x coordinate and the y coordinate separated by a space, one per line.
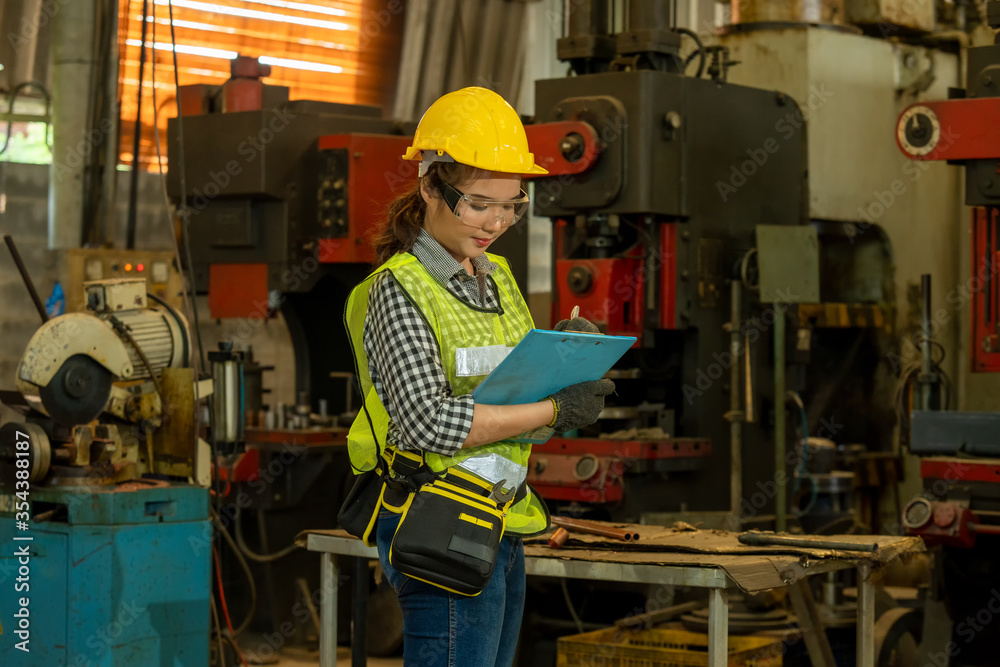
pixel 427 326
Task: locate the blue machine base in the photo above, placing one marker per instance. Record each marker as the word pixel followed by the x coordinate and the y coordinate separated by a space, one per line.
pixel 119 577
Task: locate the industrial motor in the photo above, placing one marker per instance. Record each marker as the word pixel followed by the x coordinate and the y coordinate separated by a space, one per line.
pixel 71 362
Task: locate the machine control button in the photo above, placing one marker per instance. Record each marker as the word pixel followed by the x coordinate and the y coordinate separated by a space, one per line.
pixel 944 515
pixel 918 130
pixel 160 272
pixel 586 467
pixel 917 513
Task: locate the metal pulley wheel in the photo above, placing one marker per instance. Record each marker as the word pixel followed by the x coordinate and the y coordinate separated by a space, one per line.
pixel 897 635
pixel 17 439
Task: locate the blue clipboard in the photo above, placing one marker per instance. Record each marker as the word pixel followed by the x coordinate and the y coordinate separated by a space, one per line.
pixel 546 361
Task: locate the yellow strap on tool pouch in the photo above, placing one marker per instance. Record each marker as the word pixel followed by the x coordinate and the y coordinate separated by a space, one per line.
pixel 449 537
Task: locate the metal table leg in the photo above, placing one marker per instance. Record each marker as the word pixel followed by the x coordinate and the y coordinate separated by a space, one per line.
pixel 718 627
pixel 328 575
pixel 866 617
pixel 359 640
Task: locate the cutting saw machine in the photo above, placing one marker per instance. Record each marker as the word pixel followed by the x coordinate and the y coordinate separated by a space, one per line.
pixel 124 357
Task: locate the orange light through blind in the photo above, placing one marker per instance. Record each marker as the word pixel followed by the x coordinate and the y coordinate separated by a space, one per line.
pixel 312 47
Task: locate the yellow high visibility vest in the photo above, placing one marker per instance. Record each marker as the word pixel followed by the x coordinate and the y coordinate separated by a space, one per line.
pixel 472 341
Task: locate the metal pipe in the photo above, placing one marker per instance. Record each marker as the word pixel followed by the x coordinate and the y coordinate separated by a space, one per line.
pixel 985 529
pixel 587 17
pixel 133 195
pixel 718 627
pixel 866 617
pixel 925 343
pixel 649 14
pixel 735 415
pixel 109 186
pixel 26 277
pixel 767 540
pixel 780 476
pixel 558 538
pixel 748 380
pixel 592 528
pixel 359 640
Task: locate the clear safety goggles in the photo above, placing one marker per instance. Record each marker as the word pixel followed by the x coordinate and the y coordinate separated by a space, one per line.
pixel 479 212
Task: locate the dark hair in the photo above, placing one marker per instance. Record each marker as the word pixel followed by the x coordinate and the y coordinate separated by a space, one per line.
pixel 405 215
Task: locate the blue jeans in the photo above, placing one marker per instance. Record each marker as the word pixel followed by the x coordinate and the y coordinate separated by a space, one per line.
pixel 442 629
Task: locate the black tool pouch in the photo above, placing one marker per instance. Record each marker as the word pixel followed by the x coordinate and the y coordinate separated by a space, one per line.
pixel 359 512
pixel 449 537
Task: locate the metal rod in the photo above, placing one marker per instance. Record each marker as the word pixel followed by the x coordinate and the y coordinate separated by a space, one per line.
pixel 748 380
pixel 779 419
pixel 718 627
pixel 866 617
pixel 109 184
pixel 767 540
pixel 649 14
pixel 925 343
pixel 592 528
pixel 985 529
pixel 359 641
pixel 650 618
pixel 735 416
pixel 307 598
pixel 39 306
pixel 328 609
pixel 587 17
pixel 133 195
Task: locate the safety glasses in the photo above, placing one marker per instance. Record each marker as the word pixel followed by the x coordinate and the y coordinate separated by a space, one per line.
pixel 479 212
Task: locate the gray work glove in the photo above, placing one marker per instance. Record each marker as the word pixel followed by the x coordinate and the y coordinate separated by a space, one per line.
pixel 576 324
pixel 578 405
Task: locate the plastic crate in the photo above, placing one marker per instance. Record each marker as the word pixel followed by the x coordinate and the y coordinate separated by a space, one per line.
pixel 617 647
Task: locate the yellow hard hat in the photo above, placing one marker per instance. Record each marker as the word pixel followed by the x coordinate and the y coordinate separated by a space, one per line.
pixel 477 127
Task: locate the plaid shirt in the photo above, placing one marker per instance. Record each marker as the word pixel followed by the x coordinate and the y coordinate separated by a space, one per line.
pixel 404 359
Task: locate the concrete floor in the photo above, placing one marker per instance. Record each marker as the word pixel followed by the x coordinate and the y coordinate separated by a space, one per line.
pixel 303 659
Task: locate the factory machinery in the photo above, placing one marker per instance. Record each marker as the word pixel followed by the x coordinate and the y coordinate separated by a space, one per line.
pixel 654 238
pixel 959 512
pixel 106 511
pixel 681 213
pixel 680 206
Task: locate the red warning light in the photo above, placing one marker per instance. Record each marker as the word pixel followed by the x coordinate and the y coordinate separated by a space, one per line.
pixel 140 267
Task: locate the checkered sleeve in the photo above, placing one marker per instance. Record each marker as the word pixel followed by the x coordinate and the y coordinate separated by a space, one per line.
pixel 407 373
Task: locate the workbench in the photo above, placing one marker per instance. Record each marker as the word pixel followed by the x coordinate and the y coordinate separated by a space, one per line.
pixel 704 559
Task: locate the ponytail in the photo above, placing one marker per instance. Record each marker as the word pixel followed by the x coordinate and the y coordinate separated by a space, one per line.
pixel 404 218
pixel 403 221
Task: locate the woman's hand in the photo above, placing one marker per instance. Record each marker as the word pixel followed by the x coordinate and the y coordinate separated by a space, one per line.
pixel 576 324
pixel 579 405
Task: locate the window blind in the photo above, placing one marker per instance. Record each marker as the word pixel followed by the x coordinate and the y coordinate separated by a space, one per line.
pixel 314 48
